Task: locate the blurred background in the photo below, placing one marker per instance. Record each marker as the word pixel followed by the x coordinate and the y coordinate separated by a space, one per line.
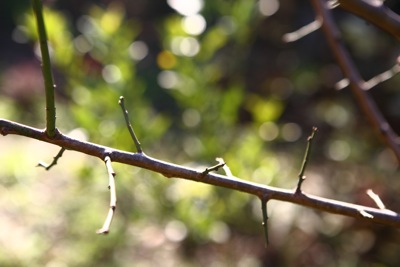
pixel 201 79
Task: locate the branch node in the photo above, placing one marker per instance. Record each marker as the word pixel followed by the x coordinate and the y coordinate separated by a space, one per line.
pixel 121 102
pixel 302 177
pixel 54 162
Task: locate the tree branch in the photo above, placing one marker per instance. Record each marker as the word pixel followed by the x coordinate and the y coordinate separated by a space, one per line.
pixel 374 12
pixel 357 84
pixel 141 160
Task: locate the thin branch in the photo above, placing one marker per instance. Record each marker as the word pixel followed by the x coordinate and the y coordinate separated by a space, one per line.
pixel 54 162
pixel 305 160
pixel 46 69
pixel 376 199
pixel 374 12
pixel 113 198
pixel 128 124
pixel 357 84
pixel 141 160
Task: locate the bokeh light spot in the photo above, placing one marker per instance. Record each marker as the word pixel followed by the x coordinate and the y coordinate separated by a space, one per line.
pixel 291 132
pixel 186 7
pixel 138 50
pixel 191 117
pixel 166 60
pixel 338 150
pixel 219 232
pixel 111 74
pixel 175 231
pixel 194 25
pixel 82 44
pixel 168 79
pixel 185 46
pixel 268 7
pixel 268 131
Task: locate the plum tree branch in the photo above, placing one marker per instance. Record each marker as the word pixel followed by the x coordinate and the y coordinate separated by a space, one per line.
pixel 141 160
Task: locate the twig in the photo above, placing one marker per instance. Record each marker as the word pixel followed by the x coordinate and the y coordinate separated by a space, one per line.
pixel 305 160
pixel 303 31
pixel 226 168
pixel 128 124
pixel 349 69
pixel 141 160
pixel 376 199
pixel 213 168
pixel 46 69
pixel 384 76
pixel 264 202
pixel 54 162
pixel 113 198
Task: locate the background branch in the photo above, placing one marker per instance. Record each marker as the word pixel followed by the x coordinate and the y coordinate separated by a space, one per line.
pixel 374 12
pixel 349 69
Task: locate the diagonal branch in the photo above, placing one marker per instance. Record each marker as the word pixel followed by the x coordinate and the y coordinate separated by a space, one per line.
pixel 357 84
pixel 141 160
